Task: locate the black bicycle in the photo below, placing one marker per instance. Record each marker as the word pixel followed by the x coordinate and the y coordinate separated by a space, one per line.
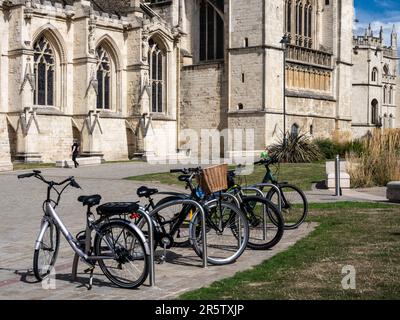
pixel 266 224
pixel 181 224
pixel 294 203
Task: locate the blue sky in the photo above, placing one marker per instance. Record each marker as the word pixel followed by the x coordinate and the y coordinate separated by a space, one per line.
pixel 379 13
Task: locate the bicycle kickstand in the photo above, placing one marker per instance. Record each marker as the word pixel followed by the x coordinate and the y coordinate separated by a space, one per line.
pixel 163 258
pixel 91 269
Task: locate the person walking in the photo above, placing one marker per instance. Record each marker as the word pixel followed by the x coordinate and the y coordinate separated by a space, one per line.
pixel 75 153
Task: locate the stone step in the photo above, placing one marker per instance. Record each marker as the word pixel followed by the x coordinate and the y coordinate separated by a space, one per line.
pixel 86 161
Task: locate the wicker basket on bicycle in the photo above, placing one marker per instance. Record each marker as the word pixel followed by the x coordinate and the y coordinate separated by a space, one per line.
pixel 214 179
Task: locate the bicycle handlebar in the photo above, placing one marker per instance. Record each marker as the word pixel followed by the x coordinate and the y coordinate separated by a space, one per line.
pixel 26 175
pixel 38 175
pixel 268 161
pixel 186 170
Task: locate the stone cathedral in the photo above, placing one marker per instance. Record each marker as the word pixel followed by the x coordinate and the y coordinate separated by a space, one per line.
pixel 126 77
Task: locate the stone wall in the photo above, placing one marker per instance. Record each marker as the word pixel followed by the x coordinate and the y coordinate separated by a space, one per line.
pixel 114 140
pixel 5 156
pixel 55 137
pixel 201 94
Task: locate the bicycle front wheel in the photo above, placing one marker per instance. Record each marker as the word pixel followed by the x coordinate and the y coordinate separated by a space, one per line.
pixel 294 205
pixel 44 258
pixel 126 263
pixel 227 233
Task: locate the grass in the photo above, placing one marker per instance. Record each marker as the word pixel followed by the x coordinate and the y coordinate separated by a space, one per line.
pixel 363 235
pixel 32 166
pixel 300 174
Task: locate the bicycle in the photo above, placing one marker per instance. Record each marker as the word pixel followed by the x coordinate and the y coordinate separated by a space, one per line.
pixel 262 234
pixel 266 224
pixel 119 247
pixel 223 245
pixel 294 204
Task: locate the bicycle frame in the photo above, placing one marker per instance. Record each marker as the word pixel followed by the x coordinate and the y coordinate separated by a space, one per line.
pixel 188 202
pixel 51 216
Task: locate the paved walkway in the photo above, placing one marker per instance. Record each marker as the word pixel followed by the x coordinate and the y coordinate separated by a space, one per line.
pixel 21 213
pixel 20 218
pixel 323 195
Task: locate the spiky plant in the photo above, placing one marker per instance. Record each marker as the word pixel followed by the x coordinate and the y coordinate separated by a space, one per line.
pixel 295 149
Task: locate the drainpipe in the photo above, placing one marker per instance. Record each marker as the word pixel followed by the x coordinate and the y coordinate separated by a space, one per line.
pixel 178 80
pixel 178 92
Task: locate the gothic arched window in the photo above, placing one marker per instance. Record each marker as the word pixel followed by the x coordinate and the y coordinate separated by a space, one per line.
pixel 297 17
pixel 374 76
pixel 386 69
pixel 300 19
pixel 374 112
pixel 211 30
pixel 289 16
pixel 44 73
pixel 310 21
pixel 306 21
pixel 390 95
pixel 384 94
pixel 103 78
pixel 157 65
pixel 294 131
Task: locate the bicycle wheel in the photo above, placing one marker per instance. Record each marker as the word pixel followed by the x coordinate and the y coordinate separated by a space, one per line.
pixel 45 257
pixel 181 236
pixel 227 233
pixel 266 225
pixel 128 263
pixel 294 205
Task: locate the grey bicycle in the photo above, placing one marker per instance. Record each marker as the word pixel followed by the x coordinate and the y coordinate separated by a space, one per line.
pixel 119 247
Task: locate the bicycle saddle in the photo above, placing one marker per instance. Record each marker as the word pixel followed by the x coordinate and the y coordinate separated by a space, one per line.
pixel 91 201
pixel 146 192
pixel 184 178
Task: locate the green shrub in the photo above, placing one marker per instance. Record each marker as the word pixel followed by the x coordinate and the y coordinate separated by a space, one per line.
pixel 329 149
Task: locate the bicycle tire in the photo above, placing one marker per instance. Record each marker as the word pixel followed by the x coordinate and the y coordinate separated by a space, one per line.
pixel 37 266
pixel 257 211
pixel 300 215
pixel 124 256
pixel 178 240
pixel 212 249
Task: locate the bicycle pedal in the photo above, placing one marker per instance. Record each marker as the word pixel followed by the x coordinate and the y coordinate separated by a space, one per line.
pixel 89 270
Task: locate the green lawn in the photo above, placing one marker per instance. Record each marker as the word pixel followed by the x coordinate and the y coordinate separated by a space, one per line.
pixel 364 235
pixel 302 175
pixel 32 166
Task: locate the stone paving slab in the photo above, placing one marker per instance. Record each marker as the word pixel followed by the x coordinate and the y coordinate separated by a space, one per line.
pixel 20 217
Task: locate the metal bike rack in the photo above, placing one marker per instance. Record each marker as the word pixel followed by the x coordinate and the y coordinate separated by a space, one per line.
pixel 259 185
pixel 203 218
pixel 151 249
pixel 237 203
pixel 152 274
pixel 257 190
pixel 231 196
